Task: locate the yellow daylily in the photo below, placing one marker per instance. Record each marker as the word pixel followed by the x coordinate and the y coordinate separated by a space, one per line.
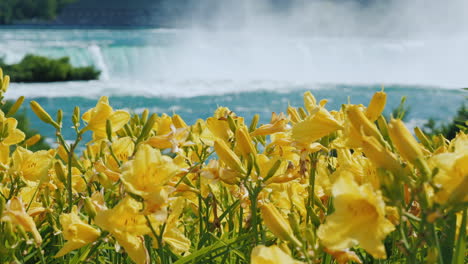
pixel 244 144
pixel 76 232
pixel 359 219
pixel 174 237
pixel 147 174
pixel 452 176
pixel 123 149
pixel 128 226
pixel 278 123
pixel 15 213
pixel 174 140
pixel 33 166
pixel 13 135
pixel 271 255
pixel 228 156
pixel 278 224
pixel 406 144
pixel 376 106
pixel 319 124
pixel 97 117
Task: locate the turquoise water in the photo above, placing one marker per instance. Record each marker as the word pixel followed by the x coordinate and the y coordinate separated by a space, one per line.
pixel 191 72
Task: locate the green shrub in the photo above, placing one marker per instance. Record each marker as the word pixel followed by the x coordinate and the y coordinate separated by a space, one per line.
pixel 33 68
pixel 450 130
pixel 20 10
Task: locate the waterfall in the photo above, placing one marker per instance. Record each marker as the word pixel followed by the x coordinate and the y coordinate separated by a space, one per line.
pixel 99 61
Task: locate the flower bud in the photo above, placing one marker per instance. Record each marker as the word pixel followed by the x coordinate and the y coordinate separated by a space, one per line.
pixel 254 123
pixel 6 82
pixel 178 121
pixel 379 155
pixel 146 130
pixel 232 123
pixel 59 172
pixel 59 116
pixel 42 114
pixel 14 108
pixel 226 155
pixel 89 208
pixel 144 116
pixel 277 224
pixel 422 138
pixel 404 141
pixel 33 140
pixel 361 122
pixel 244 142
pixel 109 130
pixel 376 106
pixel 76 116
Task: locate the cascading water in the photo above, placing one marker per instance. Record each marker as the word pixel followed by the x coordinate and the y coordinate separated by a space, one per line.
pixel 247 54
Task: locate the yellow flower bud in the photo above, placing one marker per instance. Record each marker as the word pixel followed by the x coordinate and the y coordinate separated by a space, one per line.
pixel 379 155
pixel 42 114
pixel 14 108
pixel 376 106
pixel 277 224
pixel 226 155
pixel 6 82
pixel 89 207
pixel 244 142
pixel 360 121
pixel 178 121
pixel 33 140
pixel 404 141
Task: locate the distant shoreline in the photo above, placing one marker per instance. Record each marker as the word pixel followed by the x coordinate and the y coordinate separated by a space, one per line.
pixel 106 27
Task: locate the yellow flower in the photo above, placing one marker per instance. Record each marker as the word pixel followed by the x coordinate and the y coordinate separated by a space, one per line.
pixel 361 123
pixel 310 103
pixel 147 174
pixel 4 156
pixel 33 166
pixel 278 123
pixel 128 226
pixel 228 156
pixel 380 156
pixel 123 149
pixel 97 117
pixel 452 176
pixel 359 218
pixel 178 121
pixel 176 239
pixel 13 135
pixel 163 124
pixel 174 140
pixel 319 124
pixel 76 232
pixel 244 144
pixel 376 106
pixel 219 128
pixel 277 224
pixel 344 257
pixel 15 213
pixel 271 255
pixel 403 140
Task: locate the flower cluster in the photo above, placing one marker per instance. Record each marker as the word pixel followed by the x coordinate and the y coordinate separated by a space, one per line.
pixel 311 186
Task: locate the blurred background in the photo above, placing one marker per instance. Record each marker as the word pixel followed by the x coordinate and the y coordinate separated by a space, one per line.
pixel 253 56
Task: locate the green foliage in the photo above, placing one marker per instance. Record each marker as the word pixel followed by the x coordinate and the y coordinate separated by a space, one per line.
pixel 25 126
pixel 34 68
pixel 450 130
pixel 20 10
